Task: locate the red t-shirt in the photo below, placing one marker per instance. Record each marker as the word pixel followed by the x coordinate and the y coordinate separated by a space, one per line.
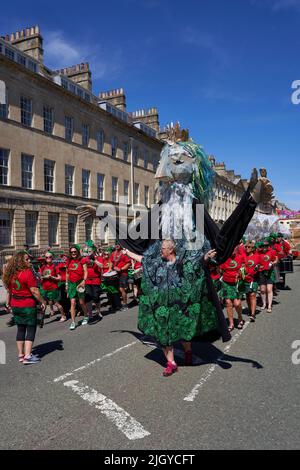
pixel 287 247
pixel 94 272
pixel 231 268
pixel 252 266
pixel 266 258
pixel 20 287
pixel 75 270
pixel 48 284
pixel 62 269
pixel 119 260
pixel 137 265
pixel 214 272
pixel 105 264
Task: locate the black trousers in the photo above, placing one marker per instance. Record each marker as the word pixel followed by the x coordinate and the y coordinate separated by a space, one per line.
pixel 26 333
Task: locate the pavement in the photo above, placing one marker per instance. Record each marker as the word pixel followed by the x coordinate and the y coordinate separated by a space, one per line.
pixel 101 387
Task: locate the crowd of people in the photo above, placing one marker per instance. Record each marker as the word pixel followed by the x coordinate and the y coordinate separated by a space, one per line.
pixel 255 267
pixel 73 284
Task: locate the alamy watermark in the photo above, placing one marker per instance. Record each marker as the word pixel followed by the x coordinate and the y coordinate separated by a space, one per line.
pixel 161 222
pixel 296 355
pixel 295 98
pixel 2 353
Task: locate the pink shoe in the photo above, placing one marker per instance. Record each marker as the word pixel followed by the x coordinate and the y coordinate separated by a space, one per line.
pixel 188 358
pixel 170 369
pixel 21 357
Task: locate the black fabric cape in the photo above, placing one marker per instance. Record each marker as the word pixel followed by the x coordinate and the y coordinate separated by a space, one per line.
pixel 223 240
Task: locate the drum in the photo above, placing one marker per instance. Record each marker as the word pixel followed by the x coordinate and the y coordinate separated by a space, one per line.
pixel 80 289
pixel 286 265
pixel 110 275
pixel 110 282
pixel 137 273
pixel 277 274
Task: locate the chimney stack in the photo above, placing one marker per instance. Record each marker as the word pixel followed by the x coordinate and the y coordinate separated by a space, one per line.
pixel 28 40
pixel 80 74
pixel 116 98
pixel 147 116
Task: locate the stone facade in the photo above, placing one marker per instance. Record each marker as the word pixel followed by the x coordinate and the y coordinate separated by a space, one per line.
pixel 109 138
pixel 53 118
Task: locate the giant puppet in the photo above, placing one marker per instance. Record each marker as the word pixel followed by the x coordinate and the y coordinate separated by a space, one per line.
pixel 178 301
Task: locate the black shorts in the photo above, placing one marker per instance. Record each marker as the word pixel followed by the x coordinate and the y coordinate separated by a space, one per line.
pixel 123 281
pixel 266 278
pixel 92 292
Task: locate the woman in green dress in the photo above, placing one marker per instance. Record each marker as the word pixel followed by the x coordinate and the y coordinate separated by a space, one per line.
pixel 174 304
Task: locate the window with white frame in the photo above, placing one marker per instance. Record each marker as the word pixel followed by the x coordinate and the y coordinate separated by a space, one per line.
pixel 89 228
pixel 114 146
pixel 31 65
pixel 100 186
pixel 85 134
pixel 48 119
pixel 146 159
pixel 125 151
pixel 53 220
pixel 27 170
pixel 49 166
pixel 135 154
pixel 126 191
pixel 114 189
pixel 69 128
pixel 69 175
pixel 26 111
pixel 100 140
pixel 72 224
pixel 21 60
pixel 136 193
pixel 146 194
pixel 3 106
pixel 4 156
pixel 5 228
pixel 85 183
pixel 9 53
pixel 30 227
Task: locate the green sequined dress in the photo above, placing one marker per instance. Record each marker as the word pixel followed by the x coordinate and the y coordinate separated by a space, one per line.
pixel 174 304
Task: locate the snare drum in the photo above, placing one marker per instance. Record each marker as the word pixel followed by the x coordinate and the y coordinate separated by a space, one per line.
pixel 110 275
pixel 286 265
pixel 110 282
pixel 137 274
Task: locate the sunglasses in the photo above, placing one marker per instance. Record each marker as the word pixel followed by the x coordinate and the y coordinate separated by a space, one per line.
pixel 73 252
pixel 48 257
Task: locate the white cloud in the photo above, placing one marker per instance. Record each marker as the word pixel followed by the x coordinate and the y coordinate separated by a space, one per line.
pixel 61 52
pixel 208 42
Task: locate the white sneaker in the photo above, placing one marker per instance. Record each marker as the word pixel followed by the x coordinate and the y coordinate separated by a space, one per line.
pixel 85 321
pixel 72 326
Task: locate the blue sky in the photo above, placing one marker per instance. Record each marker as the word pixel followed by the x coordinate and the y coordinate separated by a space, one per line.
pixel 223 68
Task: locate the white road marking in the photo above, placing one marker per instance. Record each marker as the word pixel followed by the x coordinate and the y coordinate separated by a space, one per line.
pixel 86 366
pixel 192 395
pixel 132 429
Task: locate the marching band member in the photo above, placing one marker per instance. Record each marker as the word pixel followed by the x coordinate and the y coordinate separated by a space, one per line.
pixel 76 277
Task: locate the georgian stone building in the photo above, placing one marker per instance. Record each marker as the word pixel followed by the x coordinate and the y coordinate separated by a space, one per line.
pixel 228 190
pixel 61 146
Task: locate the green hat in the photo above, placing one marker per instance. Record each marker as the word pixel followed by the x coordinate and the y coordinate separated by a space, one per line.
pixel 76 246
pixel 91 244
pixel 259 244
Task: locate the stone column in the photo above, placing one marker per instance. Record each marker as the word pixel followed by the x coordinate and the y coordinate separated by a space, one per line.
pixel 19 232
pixel 42 229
